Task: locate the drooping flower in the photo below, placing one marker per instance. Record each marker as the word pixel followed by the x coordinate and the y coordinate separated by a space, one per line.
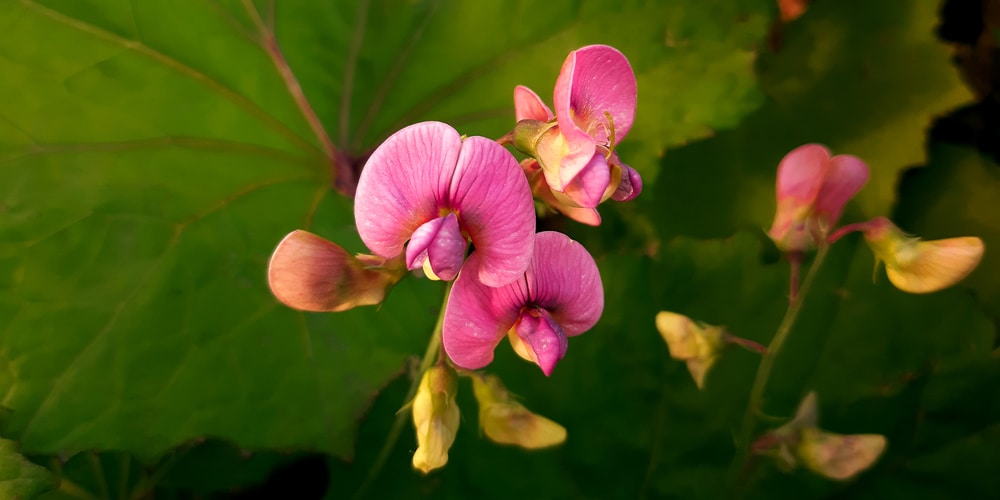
pixel 574 148
pixel 812 189
pixel 698 345
pixel 560 295
pixel 802 442
pixel 428 185
pixel 310 273
pixel 917 266
pixel 506 421
pixel 435 417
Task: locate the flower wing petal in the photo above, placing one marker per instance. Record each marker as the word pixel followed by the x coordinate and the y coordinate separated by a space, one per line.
pixel 595 80
pixel 563 278
pixel 439 241
pixel 844 178
pixel 801 174
pixel 478 316
pixel 404 184
pixel 493 200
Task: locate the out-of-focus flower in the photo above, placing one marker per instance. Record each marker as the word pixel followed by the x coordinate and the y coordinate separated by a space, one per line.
pixel 560 295
pixel 801 442
pixel 506 421
pixel 917 266
pixel 436 417
pixel 595 99
pixel 812 189
pixel 698 345
pixel 310 273
pixel 427 185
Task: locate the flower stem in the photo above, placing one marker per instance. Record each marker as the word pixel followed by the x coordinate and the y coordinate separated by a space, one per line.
pixel 432 351
pixel 768 357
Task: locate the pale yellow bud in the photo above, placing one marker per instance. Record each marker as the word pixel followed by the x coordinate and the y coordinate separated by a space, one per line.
pixel 435 417
pixel 917 266
pixel 839 456
pixel 698 346
pixel 506 421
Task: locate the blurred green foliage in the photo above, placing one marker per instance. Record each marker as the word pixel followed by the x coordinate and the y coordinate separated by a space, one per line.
pixel 152 156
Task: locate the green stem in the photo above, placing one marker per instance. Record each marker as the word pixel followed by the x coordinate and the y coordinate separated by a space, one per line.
pixel 433 348
pixel 768 357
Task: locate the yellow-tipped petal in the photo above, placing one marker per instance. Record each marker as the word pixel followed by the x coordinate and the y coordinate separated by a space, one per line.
pixel 435 417
pixel 839 456
pixel 929 266
pixel 505 421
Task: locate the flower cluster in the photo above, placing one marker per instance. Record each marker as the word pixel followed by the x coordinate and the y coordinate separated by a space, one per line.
pixel 427 195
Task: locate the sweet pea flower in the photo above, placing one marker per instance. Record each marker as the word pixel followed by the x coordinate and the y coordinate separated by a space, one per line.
pixel 802 442
pixel 310 273
pixel 560 295
pixel 428 185
pixel 574 148
pixel 917 266
pixel 436 417
pixel 697 344
pixel 812 189
pixel 505 421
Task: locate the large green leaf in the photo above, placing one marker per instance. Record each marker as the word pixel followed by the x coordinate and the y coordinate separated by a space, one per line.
pixel 864 78
pixel 153 154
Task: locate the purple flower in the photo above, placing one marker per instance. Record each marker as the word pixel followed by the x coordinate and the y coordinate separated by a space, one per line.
pixel 595 99
pixel 559 295
pixel 428 185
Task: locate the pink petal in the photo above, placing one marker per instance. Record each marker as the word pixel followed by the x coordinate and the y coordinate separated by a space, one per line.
pixel 528 106
pixel 545 337
pixel 563 278
pixel 404 184
pixel 477 316
pixel 801 174
pixel 441 241
pixel 631 183
pixel 845 176
pixel 495 208
pixel 588 187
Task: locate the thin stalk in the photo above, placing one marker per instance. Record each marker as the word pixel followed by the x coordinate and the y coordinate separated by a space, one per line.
pixel 430 354
pixel 768 357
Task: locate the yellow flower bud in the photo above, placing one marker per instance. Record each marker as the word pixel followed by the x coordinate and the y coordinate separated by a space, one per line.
pixel 838 456
pixel 917 266
pixel 506 421
pixel 436 417
pixel 698 346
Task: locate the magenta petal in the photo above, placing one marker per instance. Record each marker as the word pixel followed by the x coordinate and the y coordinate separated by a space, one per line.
pixel 631 183
pixel 528 106
pixel 477 316
pixel 404 184
pixel 440 241
pixel 588 187
pixel 546 338
pixel 801 174
pixel 493 201
pixel 595 80
pixel 563 279
pixel 845 176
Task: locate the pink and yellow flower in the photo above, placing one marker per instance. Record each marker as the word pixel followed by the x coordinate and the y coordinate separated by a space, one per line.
pixel 560 295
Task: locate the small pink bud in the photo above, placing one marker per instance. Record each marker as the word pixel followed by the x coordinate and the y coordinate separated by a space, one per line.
pixel 309 273
pixel 917 266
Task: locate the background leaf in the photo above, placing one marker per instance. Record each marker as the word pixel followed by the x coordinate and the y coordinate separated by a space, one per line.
pixel 19 478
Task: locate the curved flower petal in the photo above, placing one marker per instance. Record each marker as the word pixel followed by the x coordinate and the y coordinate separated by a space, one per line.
pixel 587 188
pixel 844 177
pixel 440 243
pixel 528 106
pixel 801 174
pixel 404 184
pixel 478 316
pixel 929 266
pixel 563 279
pixel 494 205
pixel 539 339
pixel 630 185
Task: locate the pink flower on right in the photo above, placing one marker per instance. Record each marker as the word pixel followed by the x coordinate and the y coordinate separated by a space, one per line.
pixel 812 189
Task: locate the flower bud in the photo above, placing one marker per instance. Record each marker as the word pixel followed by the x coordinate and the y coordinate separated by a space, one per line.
pixel 506 421
pixel 436 417
pixel 309 273
pixel 917 266
pixel 696 344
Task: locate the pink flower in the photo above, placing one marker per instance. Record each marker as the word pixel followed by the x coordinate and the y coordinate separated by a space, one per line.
pixel 560 295
pixel 595 99
pixel 427 185
pixel 812 190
